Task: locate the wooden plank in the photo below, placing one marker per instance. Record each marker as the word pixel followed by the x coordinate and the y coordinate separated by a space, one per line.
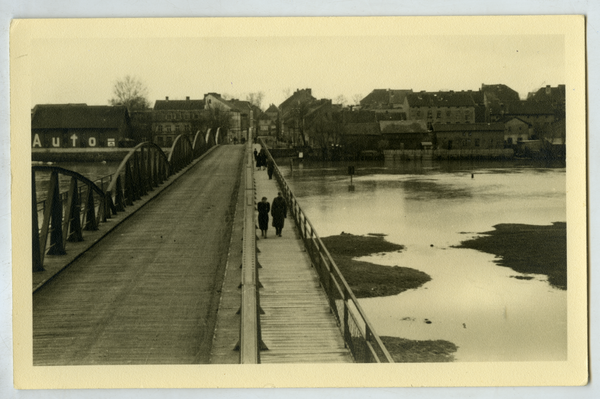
pixel 297 326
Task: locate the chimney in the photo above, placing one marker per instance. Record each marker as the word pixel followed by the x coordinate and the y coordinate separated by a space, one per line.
pixel 187 98
pixel 548 89
pixel 167 98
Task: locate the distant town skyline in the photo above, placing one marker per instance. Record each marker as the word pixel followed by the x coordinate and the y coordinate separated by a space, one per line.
pixel 83 70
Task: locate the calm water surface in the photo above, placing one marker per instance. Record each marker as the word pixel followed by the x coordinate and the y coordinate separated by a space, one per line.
pixel 429 207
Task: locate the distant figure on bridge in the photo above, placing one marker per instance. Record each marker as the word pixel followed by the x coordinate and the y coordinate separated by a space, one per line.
pixel 270 168
pixel 263 216
pixel 261 159
pixel 279 213
pixel 256 157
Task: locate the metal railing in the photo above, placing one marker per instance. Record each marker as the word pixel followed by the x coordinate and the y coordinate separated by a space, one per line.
pixel 250 341
pixel 66 215
pixel 86 203
pixel 359 334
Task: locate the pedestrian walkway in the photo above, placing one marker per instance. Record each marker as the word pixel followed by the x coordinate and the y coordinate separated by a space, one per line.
pixel 297 326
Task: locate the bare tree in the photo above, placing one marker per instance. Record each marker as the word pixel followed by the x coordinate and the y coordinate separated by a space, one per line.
pixel 287 92
pixel 299 112
pixel 255 98
pixel 341 99
pixel 356 98
pixel 328 131
pixel 130 92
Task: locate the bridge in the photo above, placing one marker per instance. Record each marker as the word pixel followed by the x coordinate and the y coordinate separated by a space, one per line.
pixel 160 263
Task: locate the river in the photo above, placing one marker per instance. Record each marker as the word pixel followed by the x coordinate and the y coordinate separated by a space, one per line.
pixel 428 207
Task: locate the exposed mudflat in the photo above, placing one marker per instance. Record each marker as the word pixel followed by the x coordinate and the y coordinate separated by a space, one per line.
pixel 527 249
pixel 368 279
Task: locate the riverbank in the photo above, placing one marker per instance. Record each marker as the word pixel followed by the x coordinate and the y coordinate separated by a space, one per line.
pixel 367 279
pixel 527 249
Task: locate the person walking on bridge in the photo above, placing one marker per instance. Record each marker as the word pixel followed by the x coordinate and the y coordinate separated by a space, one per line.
pixel 279 213
pixel 263 216
pixel 270 168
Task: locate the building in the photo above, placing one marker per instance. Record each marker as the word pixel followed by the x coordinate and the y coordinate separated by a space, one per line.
pixel 243 111
pixel 292 112
pixel 142 124
pixel 360 137
pixel 175 117
pixel 387 101
pixel 442 107
pixel 515 130
pixel 215 104
pixel 468 136
pixel 497 93
pixel 80 126
pixel 555 96
pixel 534 113
pixel 405 135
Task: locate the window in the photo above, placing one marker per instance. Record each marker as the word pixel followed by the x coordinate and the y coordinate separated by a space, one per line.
pixel 169 128
pixel 476 142
pixel 159 128
pixel 439 114
pixel 177 128
pixel 418 114
pixel 467 116
pixel 186 116
pixel 448 113
pixel 429 114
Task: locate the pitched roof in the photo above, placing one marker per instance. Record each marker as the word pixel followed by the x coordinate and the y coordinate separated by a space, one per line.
pixel 302 95
pixel 508 118
pixel 499 92
pixel 376 96
pixel 360 116
pixel 273 108
pixel 467 127
pixel 522 108
pixel 78 116
pixel 240 105
pixel 380 98
pixel 397 127
pixel 441 99
pixel 549 94
pixel 362 129
pixel 178 105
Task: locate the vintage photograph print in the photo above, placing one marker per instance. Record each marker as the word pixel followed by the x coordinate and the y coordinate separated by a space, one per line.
pixel 299 202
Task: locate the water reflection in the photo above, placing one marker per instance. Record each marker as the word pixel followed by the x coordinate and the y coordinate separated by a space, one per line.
pixel 429 207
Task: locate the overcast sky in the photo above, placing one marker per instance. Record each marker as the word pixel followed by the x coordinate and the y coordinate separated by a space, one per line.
pixel 84 70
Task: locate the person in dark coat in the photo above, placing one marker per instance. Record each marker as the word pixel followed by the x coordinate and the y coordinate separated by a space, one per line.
pixel 263 216
pixel 262 158
pixel 270 168
pixel 256 158
pixel 279 213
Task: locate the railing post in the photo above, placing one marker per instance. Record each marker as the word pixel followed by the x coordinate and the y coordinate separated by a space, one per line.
pixel 37 265
pixel 346 328
pixel 56 235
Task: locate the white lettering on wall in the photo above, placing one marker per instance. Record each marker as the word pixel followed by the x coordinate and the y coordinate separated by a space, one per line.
pixel 36 141
pixel 55 141
pixel 110 142
pixel 74 140
pixel 92 141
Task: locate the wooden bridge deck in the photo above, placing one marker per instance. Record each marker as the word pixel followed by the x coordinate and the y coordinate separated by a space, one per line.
pixel 148 292
pixel 297 326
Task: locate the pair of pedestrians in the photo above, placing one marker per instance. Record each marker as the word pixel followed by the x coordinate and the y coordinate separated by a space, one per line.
pixel 262 160
pixel 278 212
